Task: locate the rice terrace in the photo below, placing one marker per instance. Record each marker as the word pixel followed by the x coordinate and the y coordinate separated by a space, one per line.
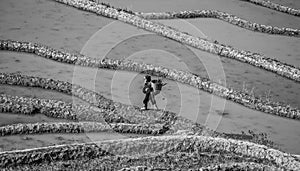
pixel 150 85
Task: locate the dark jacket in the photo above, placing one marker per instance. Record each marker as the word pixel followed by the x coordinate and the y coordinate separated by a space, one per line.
pixel 147 88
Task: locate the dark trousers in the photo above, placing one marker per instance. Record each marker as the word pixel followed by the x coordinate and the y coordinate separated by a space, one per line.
pixel 146 100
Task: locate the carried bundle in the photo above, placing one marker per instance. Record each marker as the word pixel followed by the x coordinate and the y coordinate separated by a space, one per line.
pixel 157 86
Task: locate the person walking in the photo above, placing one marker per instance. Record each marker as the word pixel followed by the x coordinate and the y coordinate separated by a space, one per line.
pixel 147 89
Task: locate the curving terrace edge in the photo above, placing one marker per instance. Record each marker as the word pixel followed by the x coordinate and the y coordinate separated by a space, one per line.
pixel 255 59
pixel 149 145
pixel 188 78
pixel 275 6
pixel 232 19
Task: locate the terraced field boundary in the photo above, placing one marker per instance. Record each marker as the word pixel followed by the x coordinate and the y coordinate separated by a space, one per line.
pixel 128 112
pixel 255 59
pixel 243 98
pixel 80 127
pixel 98 121
pixel 275 6
pixel 53 127
pixel 232 19
pixel 57 109
pixel 150 145
pixel 249 166
pixel 71 127
pixel 166 161
pixel 134 114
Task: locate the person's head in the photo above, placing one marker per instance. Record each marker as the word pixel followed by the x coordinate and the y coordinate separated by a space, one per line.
pixel 147 78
